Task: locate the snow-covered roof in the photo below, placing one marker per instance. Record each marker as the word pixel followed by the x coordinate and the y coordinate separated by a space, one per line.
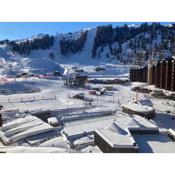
pixel 145 123
pixel 117 134
pixel 116 140
pixel 22 128
pixel 134 122
pixel 116 129
pixel 137 107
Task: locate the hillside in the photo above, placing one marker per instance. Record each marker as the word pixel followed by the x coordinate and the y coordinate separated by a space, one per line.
pixel 103 44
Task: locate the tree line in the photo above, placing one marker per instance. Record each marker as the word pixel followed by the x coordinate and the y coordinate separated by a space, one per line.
pixel 135 35
pixel 68 46
pixel 26 46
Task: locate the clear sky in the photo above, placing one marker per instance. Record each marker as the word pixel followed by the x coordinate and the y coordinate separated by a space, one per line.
pixel 19 30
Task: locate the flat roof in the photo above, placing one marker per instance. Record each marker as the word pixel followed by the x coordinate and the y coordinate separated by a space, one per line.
pixel 116 140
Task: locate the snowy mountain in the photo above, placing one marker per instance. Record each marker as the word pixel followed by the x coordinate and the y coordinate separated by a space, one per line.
pixel 103 44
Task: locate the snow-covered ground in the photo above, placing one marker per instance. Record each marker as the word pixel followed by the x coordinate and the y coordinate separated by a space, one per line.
pixel 80 120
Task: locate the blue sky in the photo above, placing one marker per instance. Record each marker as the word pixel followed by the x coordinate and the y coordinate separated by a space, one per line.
pixel 18 30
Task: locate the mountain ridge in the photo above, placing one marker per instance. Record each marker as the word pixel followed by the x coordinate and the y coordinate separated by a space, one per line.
pixel 103 44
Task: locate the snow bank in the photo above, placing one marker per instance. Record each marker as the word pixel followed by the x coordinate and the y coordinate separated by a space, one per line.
pixel 43 66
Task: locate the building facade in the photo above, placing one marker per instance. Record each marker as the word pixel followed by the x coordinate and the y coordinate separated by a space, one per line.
pixel 138 74
pixel 161 74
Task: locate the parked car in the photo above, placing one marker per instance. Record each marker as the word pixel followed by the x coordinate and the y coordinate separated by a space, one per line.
pixel 79 70
pixel 99 68
pixel 79 96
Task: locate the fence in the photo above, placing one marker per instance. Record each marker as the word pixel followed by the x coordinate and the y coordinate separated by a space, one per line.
pixel 28 99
